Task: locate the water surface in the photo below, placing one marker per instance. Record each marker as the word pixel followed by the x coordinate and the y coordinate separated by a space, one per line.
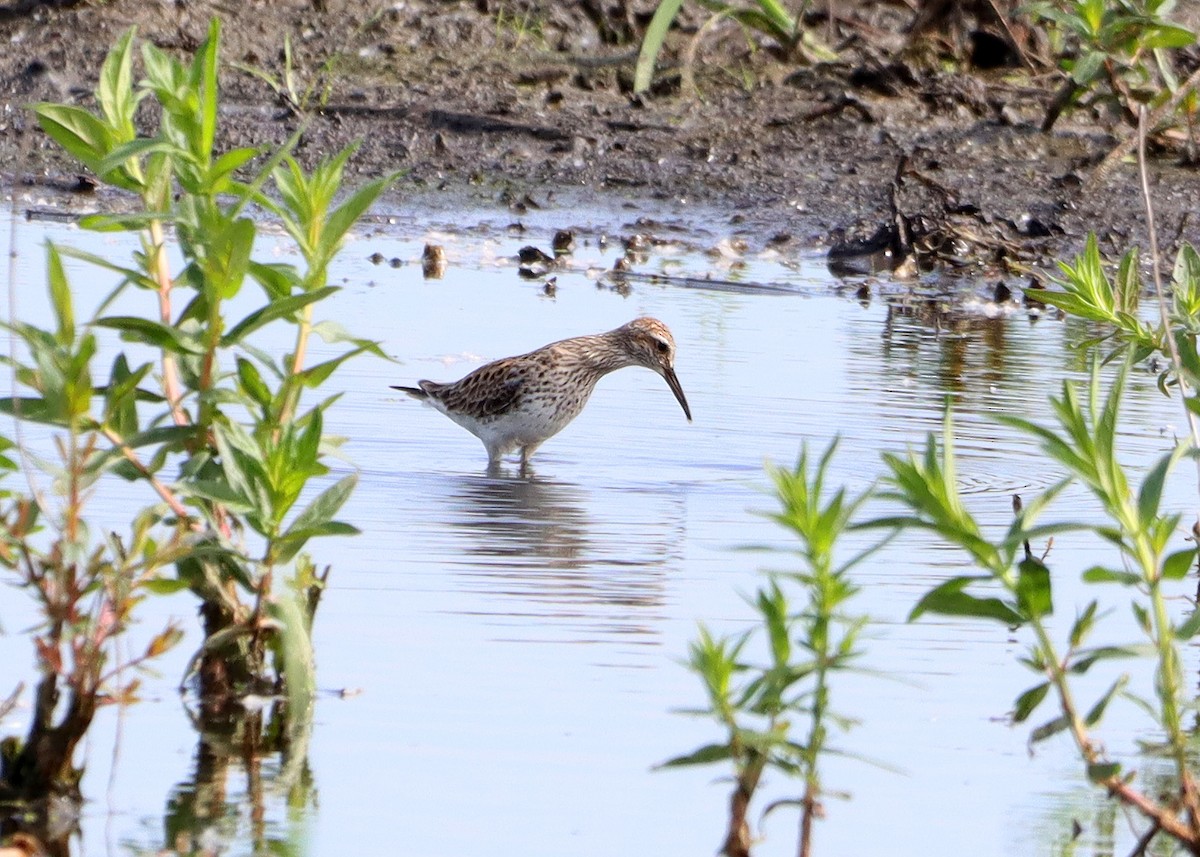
pixel 513 644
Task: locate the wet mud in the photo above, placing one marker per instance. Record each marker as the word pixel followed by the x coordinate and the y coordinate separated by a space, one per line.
pixel 529 104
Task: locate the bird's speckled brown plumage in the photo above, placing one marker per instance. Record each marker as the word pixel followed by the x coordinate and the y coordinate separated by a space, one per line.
pixel 519 402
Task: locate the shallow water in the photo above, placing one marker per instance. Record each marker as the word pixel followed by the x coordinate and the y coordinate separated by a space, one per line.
pixel 512 644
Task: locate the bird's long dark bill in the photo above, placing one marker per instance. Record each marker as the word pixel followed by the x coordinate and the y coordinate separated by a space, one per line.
pixel 677 389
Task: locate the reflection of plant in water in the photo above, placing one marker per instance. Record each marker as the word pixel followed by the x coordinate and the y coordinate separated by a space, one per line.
pixel 220 437
pixel 759 705
pixel 208 812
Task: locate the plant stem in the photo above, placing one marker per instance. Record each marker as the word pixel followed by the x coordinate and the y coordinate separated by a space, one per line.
pixel 1159 291
pixel 162 490
pixel 811 802
pixel 1166 108
pixel 1169 677
pixel 1056 672
pixel 162 273
pixel 303 332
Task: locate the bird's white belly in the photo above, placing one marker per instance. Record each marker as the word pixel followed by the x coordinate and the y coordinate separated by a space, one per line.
pixel 532 423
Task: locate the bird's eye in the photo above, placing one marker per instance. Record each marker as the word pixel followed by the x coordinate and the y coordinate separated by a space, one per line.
pixel 663 348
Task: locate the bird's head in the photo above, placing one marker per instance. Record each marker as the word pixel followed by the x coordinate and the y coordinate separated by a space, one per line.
pixel 650 344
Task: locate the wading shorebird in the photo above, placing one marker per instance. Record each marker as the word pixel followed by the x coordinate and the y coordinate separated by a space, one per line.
pixel 519 402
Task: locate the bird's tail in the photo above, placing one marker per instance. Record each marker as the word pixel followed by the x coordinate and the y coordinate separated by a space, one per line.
pixel 415 392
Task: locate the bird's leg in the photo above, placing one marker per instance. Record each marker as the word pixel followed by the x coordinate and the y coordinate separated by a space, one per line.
pixel 526 454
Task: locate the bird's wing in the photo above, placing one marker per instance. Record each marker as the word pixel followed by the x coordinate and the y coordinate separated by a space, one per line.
pixel 489 391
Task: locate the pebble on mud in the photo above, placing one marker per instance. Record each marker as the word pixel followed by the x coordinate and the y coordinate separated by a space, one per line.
pixel 564 242
pixel 534 262
pixel 433 261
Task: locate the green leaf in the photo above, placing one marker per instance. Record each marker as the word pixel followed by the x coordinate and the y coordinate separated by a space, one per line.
pixel 1083 625
pixel 1189 628
pixel 326 504
pixel 218 492
pixel 1033 589
pixel 301 535
pixel 1185 281
pixel 252 383
pixel 79 132
pixel 306 451
pixel 1097 711
pixel 226 165
pixel 295 643
pixel 165 585
pixel 1102 772
pixel 115 93
pixel 129 222
pixel 172 436
pixel 705 755
pixel 155 333
pixel 781 21
pixel 316 519
pixel 276 309
pixel 119 156
pixel 948 599
pixel 1087 658
pixel 60 296
pixel 1049 729
pixel 1177 565
pixel 1099 574
pixel 652 42
pixel 207 65
pixel 229 256
pixel 1168 36
pixel 1142 615
pixel 1128 288
pixel 278 280
pixel 348 213
pixel 1150 494
pixel 129 274
pixel 32 408
pixel 1071 303
pixel 120 399
pixel 160 69
pixel 1028 701
pixel 316 375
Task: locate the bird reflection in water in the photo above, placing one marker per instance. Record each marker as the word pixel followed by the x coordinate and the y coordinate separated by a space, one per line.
pixel 534 540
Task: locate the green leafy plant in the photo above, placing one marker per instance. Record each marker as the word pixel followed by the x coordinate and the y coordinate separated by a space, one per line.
pixel 222 435
pixel 1115 50
pixel 761 706
pixel 86 586
pixel 768 17
pixel 1087 290
pixel 520 26
pixel 1016 588
pixel 299 97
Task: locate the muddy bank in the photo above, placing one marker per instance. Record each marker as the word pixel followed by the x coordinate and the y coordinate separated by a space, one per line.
pixel 529 104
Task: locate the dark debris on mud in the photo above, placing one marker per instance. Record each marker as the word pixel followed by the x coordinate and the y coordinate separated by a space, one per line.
pixel 510 103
